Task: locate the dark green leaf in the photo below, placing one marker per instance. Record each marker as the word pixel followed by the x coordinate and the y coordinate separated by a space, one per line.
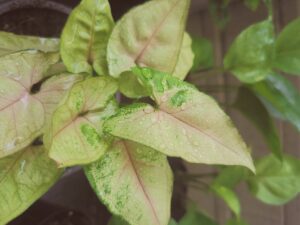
pixel 281 98
pixel 194 217
pixel 204 55
pixel 252 4
pixel 231 176
pixel 252 107
pixel 287 49
pixel 249 57
pixel 229 197
pixel 115 220
pixel 276 182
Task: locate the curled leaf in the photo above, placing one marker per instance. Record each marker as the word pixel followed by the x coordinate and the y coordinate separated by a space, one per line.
pixel 85 36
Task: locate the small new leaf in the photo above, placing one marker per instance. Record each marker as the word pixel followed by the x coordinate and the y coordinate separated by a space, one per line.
pixel 85 36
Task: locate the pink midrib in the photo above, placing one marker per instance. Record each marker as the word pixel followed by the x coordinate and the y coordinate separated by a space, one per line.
pixel 141 183
pixel 144 49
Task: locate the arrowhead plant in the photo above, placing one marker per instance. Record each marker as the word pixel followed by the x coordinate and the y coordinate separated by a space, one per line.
pixel 59 107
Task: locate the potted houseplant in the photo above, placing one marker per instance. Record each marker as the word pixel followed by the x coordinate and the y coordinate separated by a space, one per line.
pixel 60 107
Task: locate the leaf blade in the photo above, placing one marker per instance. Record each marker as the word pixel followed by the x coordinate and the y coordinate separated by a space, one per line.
pixel 75 134
pixel 250 56
pixel 131 40
pixel 30 174
pixel 85 36
pixel 180 127
pixel 139 178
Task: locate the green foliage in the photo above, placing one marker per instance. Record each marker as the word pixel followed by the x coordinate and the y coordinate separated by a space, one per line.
pixel 287 49
pixel 276 182
pixel 85 36
pixel 74 119
pixel 132 176
pixel 204 54
pixel 231 176
pixel 75 135
pixel 177 126
pixel 10 43
pixel 281 98
pixel 195 217
pixel 229 197
pixel 252 4
pixel 139 37
pixel 250 56
pixel 24 177
pixel 252 107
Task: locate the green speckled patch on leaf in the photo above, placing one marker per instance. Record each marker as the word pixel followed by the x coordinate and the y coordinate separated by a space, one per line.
pixel 134 181
pixel 91 135
pixel 179 98
pixel 75 135
pixel 186 123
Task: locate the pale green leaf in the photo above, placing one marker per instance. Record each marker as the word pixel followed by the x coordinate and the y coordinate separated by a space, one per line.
pixel 186 58
pixel 194 217
pixel 148 35
pixel 186 123
pixel 135 182
pixel 276 182
pixel 10 43
pixel 287 49
pixel 24 177
pixel 204 54
pixel 252 107
pixel 250 56
pixel 229 197
pixel 75 135
pixel 24 113
pixel 85 36
pixel 280 97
